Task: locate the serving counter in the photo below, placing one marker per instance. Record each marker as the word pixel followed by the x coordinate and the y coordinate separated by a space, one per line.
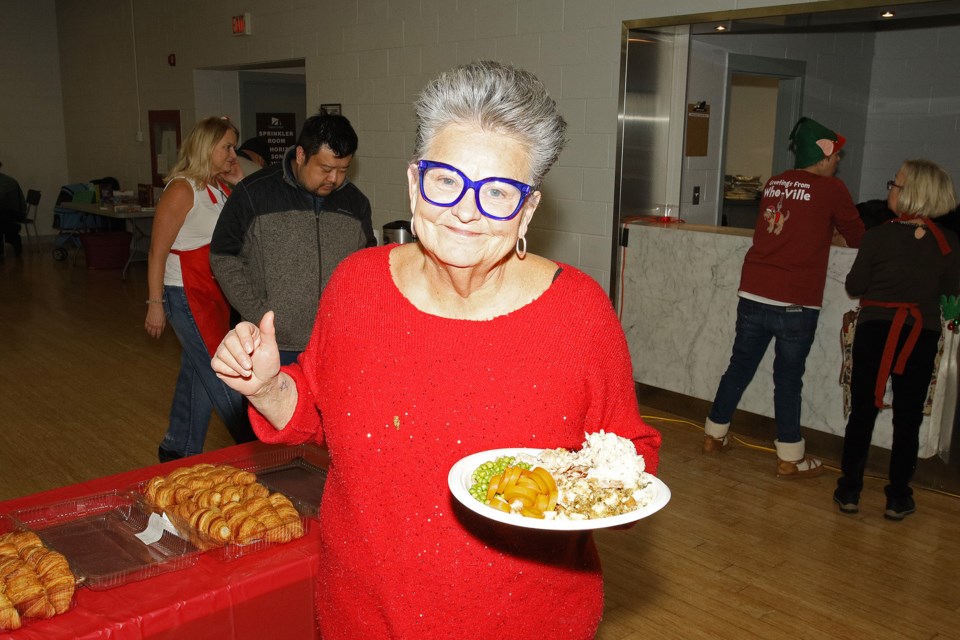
pixel 266 594
pixel 679 309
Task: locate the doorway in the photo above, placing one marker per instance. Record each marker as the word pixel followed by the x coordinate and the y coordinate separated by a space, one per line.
pixel 764 98
pixel 244 91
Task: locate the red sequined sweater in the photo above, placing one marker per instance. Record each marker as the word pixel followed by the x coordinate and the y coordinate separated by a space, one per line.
pixel 398 396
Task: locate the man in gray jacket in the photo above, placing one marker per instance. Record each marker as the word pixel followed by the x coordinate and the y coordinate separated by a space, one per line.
pixel 285 228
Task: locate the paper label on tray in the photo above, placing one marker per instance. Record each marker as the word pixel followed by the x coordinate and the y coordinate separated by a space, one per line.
pixel 155 528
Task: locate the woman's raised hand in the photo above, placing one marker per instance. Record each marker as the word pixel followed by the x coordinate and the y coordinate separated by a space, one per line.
pixel 248 359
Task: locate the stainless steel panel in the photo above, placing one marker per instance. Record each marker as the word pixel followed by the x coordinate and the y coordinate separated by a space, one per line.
pixel 645 122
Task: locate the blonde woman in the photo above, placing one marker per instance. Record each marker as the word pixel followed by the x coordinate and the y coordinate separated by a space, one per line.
pixel 182 289
pixel 901 270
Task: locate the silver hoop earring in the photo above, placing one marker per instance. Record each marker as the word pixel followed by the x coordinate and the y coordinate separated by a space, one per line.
pixel 521 251
pixel 413 229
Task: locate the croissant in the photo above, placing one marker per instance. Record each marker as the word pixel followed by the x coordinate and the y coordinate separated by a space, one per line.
pixel 9 617
pixel 8 566
pixel 247 528
pixel 150 489
pixel 55 575
pixel 185 509
pixel 256 505
pixel 187 471
pixel 255 490
pixel 284 507
pixel 225 503
pixel 231 509
pixel 229 492
pixel 208 498
pixel 35 583
pixel 211 522
pixel 243 477
pixel 27 593
pixel 21 539
pixel 197 482
pixel 288 513
pixel 278 499
pixel 165 496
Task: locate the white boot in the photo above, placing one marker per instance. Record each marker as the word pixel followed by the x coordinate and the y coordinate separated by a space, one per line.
pixel 792 461
pixel 715 438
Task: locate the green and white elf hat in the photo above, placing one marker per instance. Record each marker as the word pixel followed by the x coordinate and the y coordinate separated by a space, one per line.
pixel 811 142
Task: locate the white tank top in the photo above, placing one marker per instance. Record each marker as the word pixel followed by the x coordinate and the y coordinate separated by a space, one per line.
pixel 197 229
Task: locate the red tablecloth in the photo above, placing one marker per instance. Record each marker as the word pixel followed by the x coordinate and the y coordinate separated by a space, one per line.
pixel 268 594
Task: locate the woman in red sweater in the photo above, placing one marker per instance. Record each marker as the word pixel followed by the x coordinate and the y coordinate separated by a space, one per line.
pixel 426 352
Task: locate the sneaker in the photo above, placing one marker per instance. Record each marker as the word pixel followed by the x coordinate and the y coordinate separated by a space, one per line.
pixel 899 508
pixel 716 445
pixel 166 455
pixel 848 503
pixel 807 467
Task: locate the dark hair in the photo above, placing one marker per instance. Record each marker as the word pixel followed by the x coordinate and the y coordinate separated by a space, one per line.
pixel 328 129
pixel 874 212
pixel 257 145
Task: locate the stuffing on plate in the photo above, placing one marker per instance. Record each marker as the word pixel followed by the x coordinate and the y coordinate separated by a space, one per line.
pixel 604 478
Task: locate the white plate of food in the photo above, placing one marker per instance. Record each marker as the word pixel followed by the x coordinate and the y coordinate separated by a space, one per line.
pixel 656 494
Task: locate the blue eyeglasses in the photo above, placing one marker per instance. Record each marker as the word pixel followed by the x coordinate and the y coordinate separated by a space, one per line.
pixel 497 198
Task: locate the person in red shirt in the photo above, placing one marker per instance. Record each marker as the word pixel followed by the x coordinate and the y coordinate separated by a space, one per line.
pixel 425 352
pixel 781 289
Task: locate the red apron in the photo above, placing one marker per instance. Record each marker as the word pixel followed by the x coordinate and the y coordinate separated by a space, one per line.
pixel 210 309
pixel 887 366
pixel 904 309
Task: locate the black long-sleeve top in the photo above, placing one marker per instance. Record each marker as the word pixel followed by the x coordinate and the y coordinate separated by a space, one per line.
pixel 893 265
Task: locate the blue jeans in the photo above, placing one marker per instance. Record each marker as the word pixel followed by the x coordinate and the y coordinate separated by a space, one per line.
pixel 198 390
pixel 757 324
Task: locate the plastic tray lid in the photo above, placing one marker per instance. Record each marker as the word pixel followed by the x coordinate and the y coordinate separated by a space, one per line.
pixel 298 472
pixel 109 539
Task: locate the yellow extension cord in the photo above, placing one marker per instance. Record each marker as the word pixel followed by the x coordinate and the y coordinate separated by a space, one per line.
pixel 770 450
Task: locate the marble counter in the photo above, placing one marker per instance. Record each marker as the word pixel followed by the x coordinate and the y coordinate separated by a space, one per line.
pixel 678 311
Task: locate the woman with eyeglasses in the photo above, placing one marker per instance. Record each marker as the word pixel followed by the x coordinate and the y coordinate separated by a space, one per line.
pixel 426 352
pixel 902 269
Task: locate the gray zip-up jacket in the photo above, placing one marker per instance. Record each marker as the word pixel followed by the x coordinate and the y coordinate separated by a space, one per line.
pixel 276 244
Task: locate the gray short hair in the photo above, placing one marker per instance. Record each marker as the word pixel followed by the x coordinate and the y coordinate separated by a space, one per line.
pixel 496 97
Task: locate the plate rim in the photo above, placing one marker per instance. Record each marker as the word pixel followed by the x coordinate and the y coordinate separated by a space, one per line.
pixel 469 463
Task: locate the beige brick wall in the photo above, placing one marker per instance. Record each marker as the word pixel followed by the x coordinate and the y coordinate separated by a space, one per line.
pixel 371 56
pixel 32 138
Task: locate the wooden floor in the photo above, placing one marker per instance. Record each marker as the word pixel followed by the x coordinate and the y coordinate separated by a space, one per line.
pixel 736 554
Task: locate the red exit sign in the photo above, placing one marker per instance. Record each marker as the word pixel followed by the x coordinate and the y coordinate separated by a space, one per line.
pixel 241 25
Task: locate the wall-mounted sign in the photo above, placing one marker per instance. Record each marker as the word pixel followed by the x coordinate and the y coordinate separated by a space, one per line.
pixel 280 132
pixel 241 25
pixel 331 109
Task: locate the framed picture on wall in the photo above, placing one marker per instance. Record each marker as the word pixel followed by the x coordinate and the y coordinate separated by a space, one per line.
pixel 330 109
pixel 164 142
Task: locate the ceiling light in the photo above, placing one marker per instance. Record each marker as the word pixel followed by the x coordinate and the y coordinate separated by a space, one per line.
pixel 720 27
pixel 887 14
